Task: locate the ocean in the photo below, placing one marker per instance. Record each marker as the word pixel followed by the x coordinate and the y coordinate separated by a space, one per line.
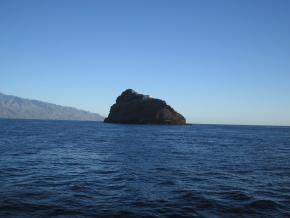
pixel 92 169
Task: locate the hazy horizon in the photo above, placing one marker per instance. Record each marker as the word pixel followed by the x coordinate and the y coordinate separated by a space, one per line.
pixel 215 62
pixel 104 116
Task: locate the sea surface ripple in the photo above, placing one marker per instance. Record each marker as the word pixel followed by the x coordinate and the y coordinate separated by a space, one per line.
pixel 91 169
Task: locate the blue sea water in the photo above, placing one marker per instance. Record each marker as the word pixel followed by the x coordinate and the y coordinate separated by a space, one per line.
pixel 91 169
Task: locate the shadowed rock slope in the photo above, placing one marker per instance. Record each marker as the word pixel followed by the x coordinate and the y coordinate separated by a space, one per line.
pixel 134 108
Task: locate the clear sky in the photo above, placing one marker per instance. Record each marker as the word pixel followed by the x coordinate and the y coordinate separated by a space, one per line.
pixel 214 61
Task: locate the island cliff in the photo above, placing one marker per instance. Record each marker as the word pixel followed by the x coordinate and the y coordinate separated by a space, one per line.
pixel 134 108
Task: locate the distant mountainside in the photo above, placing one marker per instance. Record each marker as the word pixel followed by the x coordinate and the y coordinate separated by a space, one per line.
pixel 19 108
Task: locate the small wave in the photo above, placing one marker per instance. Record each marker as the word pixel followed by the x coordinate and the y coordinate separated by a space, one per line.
pixel 64 212
pixel 167 183
pixel 79 188
pixel 236 195
pixel 199 200
pixel 263 204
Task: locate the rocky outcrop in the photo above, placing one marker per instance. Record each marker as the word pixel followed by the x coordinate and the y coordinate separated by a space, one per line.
pixel 134 108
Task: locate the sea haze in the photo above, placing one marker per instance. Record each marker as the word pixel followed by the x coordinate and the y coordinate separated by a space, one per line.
pixel 13 107
pixel 92 169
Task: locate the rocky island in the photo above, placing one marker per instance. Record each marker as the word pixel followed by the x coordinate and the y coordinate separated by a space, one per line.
pixel 134 108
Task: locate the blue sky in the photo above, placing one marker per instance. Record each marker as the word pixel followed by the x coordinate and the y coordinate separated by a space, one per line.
pixel 214 61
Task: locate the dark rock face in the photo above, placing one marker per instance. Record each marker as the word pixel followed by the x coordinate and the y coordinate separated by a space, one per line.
pixel 135 108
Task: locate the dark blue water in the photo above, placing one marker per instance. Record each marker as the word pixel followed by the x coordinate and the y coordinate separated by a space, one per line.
pixel 90 169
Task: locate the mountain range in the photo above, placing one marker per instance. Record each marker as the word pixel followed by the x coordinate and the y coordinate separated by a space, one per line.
pixel 13 107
